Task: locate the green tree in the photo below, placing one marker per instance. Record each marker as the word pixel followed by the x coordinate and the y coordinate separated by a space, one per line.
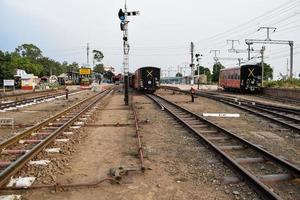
pixel 203 70
pixel 178 75
pixel 26 63
pixel 99 68
pixel 216 71
pixel 50 67
pixel 29 50
pixel 6 71
pixel 108 75
pixel 268 72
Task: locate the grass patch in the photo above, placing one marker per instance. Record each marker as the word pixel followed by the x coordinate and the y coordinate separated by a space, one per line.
pixel 288 83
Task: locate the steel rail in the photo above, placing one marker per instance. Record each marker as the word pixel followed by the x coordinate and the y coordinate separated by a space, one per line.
pixel 29 100
pixel 3 95
pixel 231 101
pixel 22 160
pixel 138 135
pixel 262 190
pixel 260 112
pixel 27 132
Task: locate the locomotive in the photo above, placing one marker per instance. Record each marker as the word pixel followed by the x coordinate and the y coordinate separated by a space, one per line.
pixel 145 79
pixel 244 78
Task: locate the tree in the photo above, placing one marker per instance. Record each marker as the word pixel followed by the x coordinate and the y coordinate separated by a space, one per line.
pixel 178 75
pixel 29 50
pixel 98 56
pixel 6 71
pixel 51 67
pixel 205 71
pixel 99 68
pixel 108 75
pixel 268 72
pixel 216 71
pixel 25 63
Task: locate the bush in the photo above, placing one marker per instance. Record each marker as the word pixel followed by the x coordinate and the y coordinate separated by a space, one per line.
pixel 289 83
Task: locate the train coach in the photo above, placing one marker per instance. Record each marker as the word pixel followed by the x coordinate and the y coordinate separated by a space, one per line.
pixel 244 78
pixel 146 79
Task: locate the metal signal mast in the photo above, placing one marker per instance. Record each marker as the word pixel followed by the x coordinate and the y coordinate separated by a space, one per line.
pixel 124 27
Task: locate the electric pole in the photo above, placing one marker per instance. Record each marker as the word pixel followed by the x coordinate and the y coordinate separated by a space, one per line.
pixel 215 54
pixel 262 65
pixel 268 31
pixel 192 63
pixel 198 59
pixel 124 27
pixel 87 54
pixel 289 42
pixel 232 49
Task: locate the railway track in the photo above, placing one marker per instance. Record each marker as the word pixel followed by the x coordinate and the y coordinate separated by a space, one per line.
pixel 287 117
pixel 269 175
pixel 284 116
pixel 30 101
pixel 4 95
pixel 20 149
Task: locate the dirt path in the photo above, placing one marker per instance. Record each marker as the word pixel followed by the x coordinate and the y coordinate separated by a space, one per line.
pixel 178 166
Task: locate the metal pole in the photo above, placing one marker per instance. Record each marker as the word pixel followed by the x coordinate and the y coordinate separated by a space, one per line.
pixel 126 57
pixel 192 63
pixel 249 56
pixel 262 65
pixel 291 43
pixel 87 54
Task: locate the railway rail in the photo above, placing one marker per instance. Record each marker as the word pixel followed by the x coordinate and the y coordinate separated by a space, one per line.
pixel 22 94
pixel 18 150
pixel 265 172
pixel 288 117
pixel 285 116
pixel 34 100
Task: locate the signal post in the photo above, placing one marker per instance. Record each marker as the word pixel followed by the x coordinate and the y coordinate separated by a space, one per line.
pixel 124 27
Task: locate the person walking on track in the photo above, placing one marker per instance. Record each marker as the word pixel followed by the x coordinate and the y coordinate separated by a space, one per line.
pixel 192 91
pixel 67 93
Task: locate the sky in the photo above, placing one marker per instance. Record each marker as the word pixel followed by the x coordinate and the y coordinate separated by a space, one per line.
pixel 160 36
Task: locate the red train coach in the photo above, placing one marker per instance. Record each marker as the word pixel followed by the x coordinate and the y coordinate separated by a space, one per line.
pixel 244 78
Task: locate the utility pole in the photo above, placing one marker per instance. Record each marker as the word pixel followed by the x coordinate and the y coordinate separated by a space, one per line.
pixel 262 65
pixel 87 54
pixel 198 59
pixel 192 63
pixel 291 43
pixel 249 49
pixel 124 27
pixel 215 54
pixel 268 31
pixel 232 49
pixel 287 67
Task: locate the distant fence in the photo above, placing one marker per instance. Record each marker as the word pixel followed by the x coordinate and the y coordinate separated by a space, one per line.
pixel 283 93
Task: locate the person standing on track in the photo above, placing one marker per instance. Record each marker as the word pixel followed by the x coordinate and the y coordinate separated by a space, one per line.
pixel 67 93
pixel 192 91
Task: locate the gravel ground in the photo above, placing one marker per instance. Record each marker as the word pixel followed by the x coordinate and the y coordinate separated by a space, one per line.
pixel 178 166
pixel 253 128
pixel 29 116
pixel 260 98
